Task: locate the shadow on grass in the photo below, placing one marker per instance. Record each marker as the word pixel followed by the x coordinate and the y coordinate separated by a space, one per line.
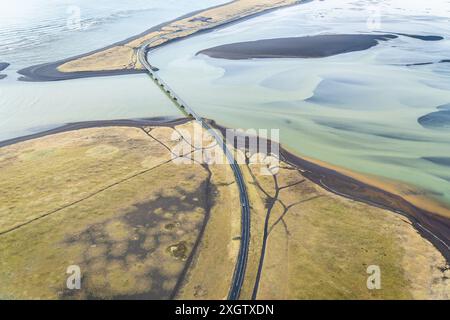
pixel 145 238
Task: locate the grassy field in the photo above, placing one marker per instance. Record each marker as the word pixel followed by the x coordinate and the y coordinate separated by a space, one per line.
pixel 111 201
pixel 143 224
pixel 212 270
pixel 320 245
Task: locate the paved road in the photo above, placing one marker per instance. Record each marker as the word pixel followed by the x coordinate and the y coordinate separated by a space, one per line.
pixel 241 264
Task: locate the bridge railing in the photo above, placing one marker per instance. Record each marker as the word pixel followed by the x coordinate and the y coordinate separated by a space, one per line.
pixel 183 104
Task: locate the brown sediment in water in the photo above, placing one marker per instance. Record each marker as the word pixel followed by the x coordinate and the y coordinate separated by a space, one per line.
pixel 122 57
pixel 430 218
pixel 412 194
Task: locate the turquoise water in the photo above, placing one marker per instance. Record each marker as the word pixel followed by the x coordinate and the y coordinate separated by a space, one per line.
pixel 39 31
pixel 357 110
pixel 27 108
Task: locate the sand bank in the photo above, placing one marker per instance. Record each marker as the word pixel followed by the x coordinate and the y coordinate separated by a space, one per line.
pixel 121 57
pixel 318 46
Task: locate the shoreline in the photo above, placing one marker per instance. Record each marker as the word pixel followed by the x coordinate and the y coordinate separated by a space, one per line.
pixel 49 71
pixel 74 126
pixel 431 226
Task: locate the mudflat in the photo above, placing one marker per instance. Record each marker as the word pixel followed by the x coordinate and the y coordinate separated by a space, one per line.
pixel 315 46
pixel 318 46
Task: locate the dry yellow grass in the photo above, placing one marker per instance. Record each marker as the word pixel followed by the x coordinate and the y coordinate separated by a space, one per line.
pixel 320 245
pixel 124 57
pixel 212 269
pixel 43 175
pixel 112 201
pixel 141 225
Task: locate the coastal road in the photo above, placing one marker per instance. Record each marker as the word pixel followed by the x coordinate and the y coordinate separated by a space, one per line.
pixel 241 263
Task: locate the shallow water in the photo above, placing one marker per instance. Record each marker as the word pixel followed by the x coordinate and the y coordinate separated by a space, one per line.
pixel 357 110
pixel 33 107
pixel 39 31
